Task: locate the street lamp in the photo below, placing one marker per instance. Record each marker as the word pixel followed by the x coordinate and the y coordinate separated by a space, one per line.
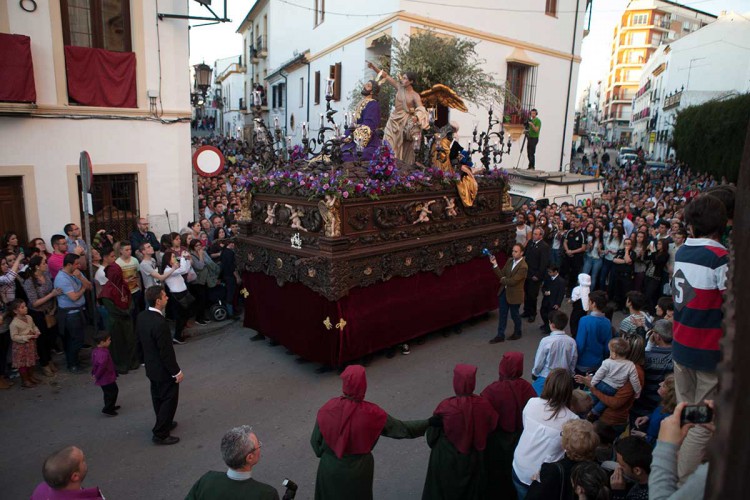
pixel 202 83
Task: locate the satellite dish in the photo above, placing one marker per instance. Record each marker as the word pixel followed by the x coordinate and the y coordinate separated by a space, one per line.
pixel 208 161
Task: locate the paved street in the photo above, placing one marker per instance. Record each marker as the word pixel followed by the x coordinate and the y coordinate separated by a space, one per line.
pixel 230 381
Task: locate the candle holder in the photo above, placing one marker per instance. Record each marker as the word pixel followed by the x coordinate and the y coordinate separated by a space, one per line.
pixel 328 150
pixel 494 151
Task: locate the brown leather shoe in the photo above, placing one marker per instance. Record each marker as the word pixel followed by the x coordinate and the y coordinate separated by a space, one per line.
pixel 5 383
pixel 47 371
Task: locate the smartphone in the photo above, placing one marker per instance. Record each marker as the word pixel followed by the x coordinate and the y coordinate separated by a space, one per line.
pixel 696 414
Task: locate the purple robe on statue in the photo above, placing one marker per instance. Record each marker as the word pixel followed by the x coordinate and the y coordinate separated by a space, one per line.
pixel 364 132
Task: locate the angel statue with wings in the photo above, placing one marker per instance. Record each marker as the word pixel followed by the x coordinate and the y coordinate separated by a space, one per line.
pixel 361 134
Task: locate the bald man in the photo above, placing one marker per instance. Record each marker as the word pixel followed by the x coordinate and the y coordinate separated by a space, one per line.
pixel 64 472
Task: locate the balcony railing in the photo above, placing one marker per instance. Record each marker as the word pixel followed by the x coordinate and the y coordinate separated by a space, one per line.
pixel 261 44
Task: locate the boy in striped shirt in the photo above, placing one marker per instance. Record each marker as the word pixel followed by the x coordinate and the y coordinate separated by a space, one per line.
pixel 698 284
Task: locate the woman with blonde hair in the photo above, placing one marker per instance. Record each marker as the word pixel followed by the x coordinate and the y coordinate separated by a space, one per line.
pixel 579 441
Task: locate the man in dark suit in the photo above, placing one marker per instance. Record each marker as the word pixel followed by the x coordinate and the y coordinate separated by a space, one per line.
pixel 161 364
pixel 510 296
pixel 537 256
pixel 553 293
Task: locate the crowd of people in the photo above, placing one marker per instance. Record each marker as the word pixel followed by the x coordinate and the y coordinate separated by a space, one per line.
pixel 603 413
pixel 48 296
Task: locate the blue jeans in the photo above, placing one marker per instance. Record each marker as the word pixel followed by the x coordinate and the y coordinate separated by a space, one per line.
pixel 592 267
pixel 74 329
pixel 554 257
pixel 521 488
pixel 538 385
pixel 607 389
pixel 503 307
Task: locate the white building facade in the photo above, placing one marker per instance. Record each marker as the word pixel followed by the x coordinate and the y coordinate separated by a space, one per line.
pixel 710 63
pixel 139 146
pixel 229 92
pixel 298 49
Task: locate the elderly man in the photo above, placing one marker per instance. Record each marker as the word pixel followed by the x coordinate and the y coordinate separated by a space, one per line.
pixel 240 449
pixel 64 472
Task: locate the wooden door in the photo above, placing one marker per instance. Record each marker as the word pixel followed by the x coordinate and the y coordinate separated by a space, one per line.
pixel 12 208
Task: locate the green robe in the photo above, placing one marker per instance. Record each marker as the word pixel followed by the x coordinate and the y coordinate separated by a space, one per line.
pixel 350 477
pixel 215 485
pixel 123 347
pixel 452 475
pixel 498 464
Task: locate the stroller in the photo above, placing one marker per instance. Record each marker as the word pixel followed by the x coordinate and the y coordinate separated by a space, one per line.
pixel 217 310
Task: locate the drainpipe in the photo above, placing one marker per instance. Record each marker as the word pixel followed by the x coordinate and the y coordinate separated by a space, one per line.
pixel 286 101
pixel 570 81
pixel 308 91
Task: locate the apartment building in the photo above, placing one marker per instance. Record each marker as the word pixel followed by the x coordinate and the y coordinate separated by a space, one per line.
pixel 644 26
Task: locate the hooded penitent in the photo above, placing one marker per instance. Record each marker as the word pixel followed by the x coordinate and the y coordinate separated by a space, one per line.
pixel 349 424
pixel 116 289
pixel 467 417
pixel 509 395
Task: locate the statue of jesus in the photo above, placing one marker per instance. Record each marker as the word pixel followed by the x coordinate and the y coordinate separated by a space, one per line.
pixel 405 124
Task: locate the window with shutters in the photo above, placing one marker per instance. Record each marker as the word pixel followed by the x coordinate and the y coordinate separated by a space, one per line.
pixel 334 73
pixel 317 87
pixel 551 8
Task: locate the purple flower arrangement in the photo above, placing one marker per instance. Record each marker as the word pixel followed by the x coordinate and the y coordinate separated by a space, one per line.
pixel 384 178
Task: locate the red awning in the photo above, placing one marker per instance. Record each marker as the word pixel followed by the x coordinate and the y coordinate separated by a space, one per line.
pixel 98 77
pixel 16 68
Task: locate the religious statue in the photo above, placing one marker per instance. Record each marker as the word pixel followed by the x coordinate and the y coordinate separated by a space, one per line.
pixel 271 213
pixel 409 117
pixel 296 216
pixel 450 206
pixel 361 134
pixel 330 212
pixel 424 212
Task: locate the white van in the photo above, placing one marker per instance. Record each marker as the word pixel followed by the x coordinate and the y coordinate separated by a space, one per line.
pixel 546 188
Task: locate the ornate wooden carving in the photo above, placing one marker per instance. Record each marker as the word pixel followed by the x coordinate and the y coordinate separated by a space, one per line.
pixel 358 242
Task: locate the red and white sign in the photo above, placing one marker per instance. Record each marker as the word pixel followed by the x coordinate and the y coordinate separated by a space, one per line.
pixel 208 161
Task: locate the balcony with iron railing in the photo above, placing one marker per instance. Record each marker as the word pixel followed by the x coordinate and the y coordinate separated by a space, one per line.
pixel 261 45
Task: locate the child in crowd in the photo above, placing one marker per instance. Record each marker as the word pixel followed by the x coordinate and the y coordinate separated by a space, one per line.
pixel 103 372
pixel 665 409
pixel 613 374
pixel 23 333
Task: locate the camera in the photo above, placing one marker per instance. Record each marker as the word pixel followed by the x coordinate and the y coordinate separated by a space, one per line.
pixel 291 489
pixel 696 414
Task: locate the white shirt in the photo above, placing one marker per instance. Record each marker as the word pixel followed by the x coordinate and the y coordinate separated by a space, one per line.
pixel 615 372
pixel 175 282
pixel 100 277
pixel 557 350
pixel 156 310
pixel 541 441
pixel 515 263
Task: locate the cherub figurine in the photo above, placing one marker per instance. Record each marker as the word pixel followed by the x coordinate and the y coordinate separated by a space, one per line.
pixel 296 217
pixel 450 206
pixel 424 212
pixel 271 213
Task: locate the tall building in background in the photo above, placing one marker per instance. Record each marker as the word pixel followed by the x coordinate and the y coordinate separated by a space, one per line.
pixel 644 26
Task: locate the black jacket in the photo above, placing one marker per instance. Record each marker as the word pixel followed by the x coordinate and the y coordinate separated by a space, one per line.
pixel 158 352
pixel 556 289
pixel 537 258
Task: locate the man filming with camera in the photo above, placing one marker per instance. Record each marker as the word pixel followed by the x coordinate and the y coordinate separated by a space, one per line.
pixel 533 126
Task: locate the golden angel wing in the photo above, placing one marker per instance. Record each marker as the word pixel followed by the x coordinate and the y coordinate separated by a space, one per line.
pixel 440 94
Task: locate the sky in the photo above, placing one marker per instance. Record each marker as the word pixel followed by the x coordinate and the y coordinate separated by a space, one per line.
pixel 208 43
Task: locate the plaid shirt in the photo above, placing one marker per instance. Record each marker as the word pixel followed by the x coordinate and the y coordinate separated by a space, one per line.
pixel 8 286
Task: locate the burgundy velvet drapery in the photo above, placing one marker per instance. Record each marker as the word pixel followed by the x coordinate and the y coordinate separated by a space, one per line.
pixel 98 77
pixel 378 316
pixel 17 69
